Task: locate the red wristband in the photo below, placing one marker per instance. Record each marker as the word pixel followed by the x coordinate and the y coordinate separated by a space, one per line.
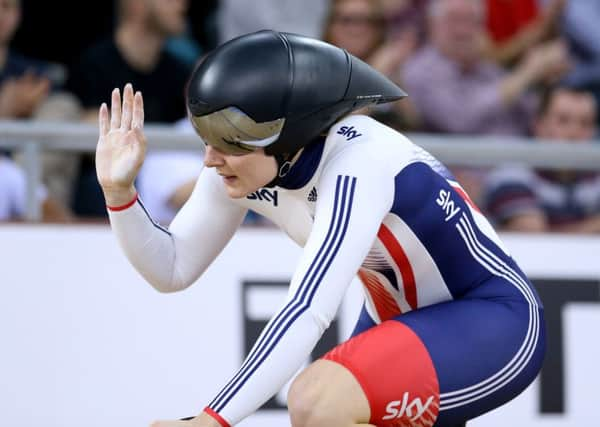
pixel 123 207
pixel 217 417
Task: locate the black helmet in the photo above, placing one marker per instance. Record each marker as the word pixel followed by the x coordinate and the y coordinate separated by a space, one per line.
pixel 278 91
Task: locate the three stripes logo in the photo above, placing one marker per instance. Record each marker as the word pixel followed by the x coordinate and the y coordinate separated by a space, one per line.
pixel 300 302
pixel 312 196
pixel 521 359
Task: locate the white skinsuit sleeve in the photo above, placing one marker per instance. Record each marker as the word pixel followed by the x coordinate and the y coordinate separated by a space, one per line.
pixel 171 260
pixel 347 219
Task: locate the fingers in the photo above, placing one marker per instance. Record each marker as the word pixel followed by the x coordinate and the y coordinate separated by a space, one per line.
pixel 103 119
pixel 115 109
pixel 127 107
pixel 138 111
pixel 140 147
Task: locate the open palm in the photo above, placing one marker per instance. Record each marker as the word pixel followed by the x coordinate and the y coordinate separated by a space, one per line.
pixel 122 145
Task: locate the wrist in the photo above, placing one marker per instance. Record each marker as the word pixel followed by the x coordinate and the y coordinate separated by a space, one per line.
pixel 121 199
pixel 529 73
pixel 215 419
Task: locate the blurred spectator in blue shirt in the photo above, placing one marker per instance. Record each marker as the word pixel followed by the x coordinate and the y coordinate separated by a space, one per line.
pixel 13 196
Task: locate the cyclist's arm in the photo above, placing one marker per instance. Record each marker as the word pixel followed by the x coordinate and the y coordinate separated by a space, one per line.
pixel 352 202
pixel 172 259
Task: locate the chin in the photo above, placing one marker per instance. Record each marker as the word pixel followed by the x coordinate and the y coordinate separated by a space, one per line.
pixel 237 193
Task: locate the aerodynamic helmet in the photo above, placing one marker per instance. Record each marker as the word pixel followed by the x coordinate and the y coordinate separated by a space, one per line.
pixel 278 91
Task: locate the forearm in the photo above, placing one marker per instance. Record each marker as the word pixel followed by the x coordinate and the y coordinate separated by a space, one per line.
pixel 282 348
pixel 149 249
pixel 515 84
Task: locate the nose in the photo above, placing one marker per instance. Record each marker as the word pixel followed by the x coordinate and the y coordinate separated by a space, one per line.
pixel 213 157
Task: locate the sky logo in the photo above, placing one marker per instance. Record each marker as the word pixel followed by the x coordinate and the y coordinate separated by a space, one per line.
pixel 264 194
pixel 448 205
pixel 349 132
pixel 409 410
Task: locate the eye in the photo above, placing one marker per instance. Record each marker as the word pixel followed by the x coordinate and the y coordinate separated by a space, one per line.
pixel 239 145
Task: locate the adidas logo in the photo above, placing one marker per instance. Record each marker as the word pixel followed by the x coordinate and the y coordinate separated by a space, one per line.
pixel 312 196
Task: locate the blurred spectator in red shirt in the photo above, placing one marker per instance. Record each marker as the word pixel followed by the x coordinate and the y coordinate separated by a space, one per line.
pixel 515 26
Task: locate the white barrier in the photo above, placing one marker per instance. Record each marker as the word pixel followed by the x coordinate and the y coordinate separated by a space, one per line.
pixel 33 137
pixel 86 342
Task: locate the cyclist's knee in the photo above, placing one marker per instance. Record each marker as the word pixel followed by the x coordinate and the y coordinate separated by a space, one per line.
pixel 305 401
pixel 324 395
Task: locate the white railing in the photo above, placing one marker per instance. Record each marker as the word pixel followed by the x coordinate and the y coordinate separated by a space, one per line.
pixel 35 137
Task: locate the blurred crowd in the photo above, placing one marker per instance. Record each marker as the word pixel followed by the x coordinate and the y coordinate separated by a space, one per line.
pixel 527 68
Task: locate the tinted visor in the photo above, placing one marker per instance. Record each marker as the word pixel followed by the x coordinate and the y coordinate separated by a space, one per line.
pixel 231 131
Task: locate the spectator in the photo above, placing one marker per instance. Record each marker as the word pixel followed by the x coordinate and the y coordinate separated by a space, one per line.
pixel 401 15
pixel 134 53
pixel 167 178
pixel 359 26
pixel 237 17
pixel 515 26
pixel 582 31
pixel 13 192
pixel 522 199
pixel 452 67
pixel 23 81
pixel 32 89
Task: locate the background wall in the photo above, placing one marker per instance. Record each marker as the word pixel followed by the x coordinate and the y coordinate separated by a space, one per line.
pixel 84 341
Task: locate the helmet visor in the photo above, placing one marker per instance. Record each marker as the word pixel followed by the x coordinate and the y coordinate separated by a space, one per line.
pixel 231 131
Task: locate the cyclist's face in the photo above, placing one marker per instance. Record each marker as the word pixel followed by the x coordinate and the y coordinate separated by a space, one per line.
pixel 242 174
